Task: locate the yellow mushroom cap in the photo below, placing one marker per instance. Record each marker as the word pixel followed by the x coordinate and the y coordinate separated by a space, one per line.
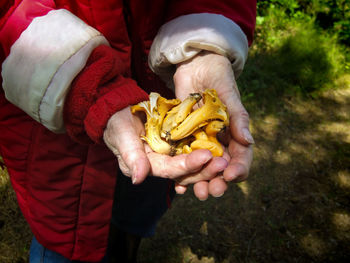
pixel 212 109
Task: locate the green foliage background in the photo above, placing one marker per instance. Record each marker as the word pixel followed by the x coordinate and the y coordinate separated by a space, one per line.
pixel 300 47
pixel 331 15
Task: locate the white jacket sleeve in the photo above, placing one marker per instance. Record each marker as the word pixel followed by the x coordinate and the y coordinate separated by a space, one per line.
pixel 44 60
pixel 184 37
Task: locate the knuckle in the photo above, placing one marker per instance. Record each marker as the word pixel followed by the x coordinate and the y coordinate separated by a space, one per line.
pixel 240 117
pixel 161 168
pixel 244 115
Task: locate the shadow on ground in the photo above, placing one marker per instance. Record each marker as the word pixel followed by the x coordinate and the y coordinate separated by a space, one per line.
pixel 293 208
pixel 295 205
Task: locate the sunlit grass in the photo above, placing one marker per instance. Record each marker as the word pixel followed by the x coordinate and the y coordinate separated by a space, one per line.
pixel 4 178
pixel 341 225
pixel 342 178
pixel 189 257
pixel 340 129
pixel 244 186
pixel 342 221
pixel 314 245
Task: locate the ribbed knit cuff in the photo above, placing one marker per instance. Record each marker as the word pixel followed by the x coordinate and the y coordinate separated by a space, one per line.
pixel 125 93
pixel 96 94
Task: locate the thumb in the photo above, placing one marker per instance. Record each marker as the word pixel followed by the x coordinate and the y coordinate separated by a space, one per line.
pixel 122 137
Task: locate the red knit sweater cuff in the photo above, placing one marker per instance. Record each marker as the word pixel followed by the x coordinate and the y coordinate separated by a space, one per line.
pixel 97 93
pixel 125 93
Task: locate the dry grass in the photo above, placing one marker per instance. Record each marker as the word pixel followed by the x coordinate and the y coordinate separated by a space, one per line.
pixel 293 208
pixel 15 235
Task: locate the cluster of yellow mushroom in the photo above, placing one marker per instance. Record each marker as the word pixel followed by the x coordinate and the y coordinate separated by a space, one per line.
pixel 173 127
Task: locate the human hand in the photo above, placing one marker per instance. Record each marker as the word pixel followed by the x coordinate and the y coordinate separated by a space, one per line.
pixel 137 160
pixel 208 70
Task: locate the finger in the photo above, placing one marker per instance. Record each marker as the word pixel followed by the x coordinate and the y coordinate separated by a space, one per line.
pixel 212 169
pixel 239 165
pixel 180 189
pixel 239 125
pixel 239 117
pixel 122 137
pixel 217 186
pixel 201 190
pixel 172 167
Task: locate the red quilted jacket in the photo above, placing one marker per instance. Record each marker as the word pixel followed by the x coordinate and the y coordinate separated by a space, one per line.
pixel 64 188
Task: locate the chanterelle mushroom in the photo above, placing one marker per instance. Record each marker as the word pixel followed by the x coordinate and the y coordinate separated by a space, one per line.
pixel 155 109
pixel 207 139
pixel 179 113
pixel 182 129
pixel 213 109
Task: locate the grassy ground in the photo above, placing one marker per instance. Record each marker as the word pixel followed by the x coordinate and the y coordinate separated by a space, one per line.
pixel 293 208
pixel 15 235
pixel 295 205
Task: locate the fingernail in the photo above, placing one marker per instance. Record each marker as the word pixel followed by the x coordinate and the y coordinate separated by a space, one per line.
pixel 222 165
pixel 218 195
pixel 207 158
pixel 230 177
pixel 134 174
pixel 247 136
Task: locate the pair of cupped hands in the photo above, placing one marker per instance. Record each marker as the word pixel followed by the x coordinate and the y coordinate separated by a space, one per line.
pixel 209 175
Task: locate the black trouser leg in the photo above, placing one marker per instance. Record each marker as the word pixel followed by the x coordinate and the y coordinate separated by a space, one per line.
pixel 122 247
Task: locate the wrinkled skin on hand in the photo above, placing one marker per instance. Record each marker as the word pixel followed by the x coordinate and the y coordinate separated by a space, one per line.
pixel 208 70
pixel 137 160
pixel 208 174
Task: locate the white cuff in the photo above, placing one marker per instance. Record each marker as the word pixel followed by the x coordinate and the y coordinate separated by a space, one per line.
pixel 43 62
pixel 186 36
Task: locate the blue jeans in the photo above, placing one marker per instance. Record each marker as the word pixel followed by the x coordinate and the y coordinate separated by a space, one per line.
pixel 136 210
pixel 40 254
